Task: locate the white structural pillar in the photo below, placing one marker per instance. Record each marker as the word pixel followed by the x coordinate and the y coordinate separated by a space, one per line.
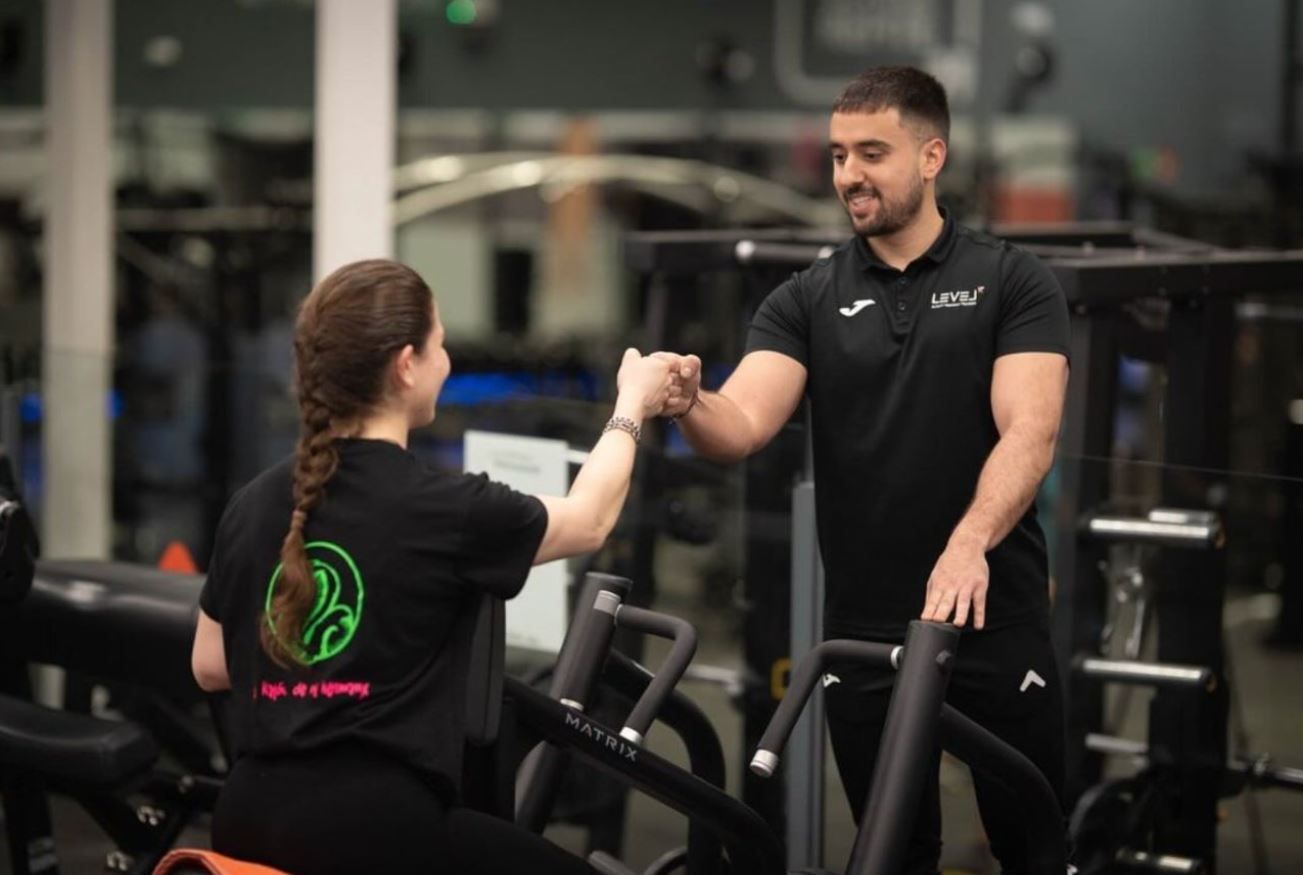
pixel 77 337
pixel 357 64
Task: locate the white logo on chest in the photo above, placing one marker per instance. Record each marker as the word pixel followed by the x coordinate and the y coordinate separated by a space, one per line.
pixel 962 298
pixel 856 307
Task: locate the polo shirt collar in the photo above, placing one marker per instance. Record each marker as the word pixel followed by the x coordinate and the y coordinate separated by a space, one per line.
pixel 936 253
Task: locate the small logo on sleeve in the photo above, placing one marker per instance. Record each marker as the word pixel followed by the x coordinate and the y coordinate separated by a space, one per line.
pixel 856 306
pixel 961 298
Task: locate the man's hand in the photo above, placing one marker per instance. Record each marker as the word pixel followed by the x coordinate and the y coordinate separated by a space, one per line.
pixel 686 373
pixel 958 584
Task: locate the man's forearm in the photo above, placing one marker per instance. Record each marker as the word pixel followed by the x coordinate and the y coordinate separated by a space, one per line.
pixel 716 428
pixel 1006 488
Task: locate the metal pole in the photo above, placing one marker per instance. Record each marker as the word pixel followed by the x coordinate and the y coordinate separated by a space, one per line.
pixel 1080 592
pixel 357 64
pixel 78 330
pixel 1191 730
pixel 804 788
pixel 910 741
pixel 1289 81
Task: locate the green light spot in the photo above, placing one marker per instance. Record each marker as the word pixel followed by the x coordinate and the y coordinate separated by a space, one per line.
pixel 460 12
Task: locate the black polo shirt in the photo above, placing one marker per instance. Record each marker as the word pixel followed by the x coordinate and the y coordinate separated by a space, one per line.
pixel 899 379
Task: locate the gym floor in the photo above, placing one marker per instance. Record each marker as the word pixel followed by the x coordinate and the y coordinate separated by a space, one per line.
pixel 1265 683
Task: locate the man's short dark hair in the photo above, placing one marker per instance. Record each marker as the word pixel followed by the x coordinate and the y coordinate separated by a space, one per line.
pixel 917 96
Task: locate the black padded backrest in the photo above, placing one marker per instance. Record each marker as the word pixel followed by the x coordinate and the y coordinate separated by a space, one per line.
pixel 18 551
pixel 484 674
pixel 71 748
pixel 19 545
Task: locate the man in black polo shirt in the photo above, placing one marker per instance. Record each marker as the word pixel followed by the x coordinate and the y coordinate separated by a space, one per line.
pixel 935 360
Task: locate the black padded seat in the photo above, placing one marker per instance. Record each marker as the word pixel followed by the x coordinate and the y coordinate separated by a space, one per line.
pixel 484 674
pixel 77 748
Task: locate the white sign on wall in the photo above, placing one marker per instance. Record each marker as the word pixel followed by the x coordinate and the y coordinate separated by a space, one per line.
pixel 536 619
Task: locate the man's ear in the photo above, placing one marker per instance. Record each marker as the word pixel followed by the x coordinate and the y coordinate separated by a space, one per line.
pixel 933 157
pixel 403 372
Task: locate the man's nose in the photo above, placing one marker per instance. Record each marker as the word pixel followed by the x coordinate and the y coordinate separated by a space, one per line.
pixel 853 170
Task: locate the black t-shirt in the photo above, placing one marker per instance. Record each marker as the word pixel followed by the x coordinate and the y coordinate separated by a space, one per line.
pixel 899 379
pixel 398 550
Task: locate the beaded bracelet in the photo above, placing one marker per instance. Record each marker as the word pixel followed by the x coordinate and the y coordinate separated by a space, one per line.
pixel 624 424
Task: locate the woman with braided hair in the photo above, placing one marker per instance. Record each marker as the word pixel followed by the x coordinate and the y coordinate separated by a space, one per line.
pixel 341 584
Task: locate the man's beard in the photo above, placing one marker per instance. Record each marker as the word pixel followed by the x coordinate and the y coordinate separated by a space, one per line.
pixel 892 216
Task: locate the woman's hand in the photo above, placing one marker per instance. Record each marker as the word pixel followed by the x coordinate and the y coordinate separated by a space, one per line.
pixel 643 381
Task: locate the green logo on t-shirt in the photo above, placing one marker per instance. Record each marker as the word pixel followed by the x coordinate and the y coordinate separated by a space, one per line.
pixel 333 620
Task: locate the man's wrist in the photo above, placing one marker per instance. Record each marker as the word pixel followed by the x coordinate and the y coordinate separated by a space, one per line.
pixel 696 396
pixel 965 537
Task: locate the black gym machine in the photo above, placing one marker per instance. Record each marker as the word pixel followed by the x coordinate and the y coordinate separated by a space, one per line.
pixel 142 777
pixel 75 610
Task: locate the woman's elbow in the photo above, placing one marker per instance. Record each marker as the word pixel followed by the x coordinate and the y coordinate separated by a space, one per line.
pixel 210 678
pixel 595 535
